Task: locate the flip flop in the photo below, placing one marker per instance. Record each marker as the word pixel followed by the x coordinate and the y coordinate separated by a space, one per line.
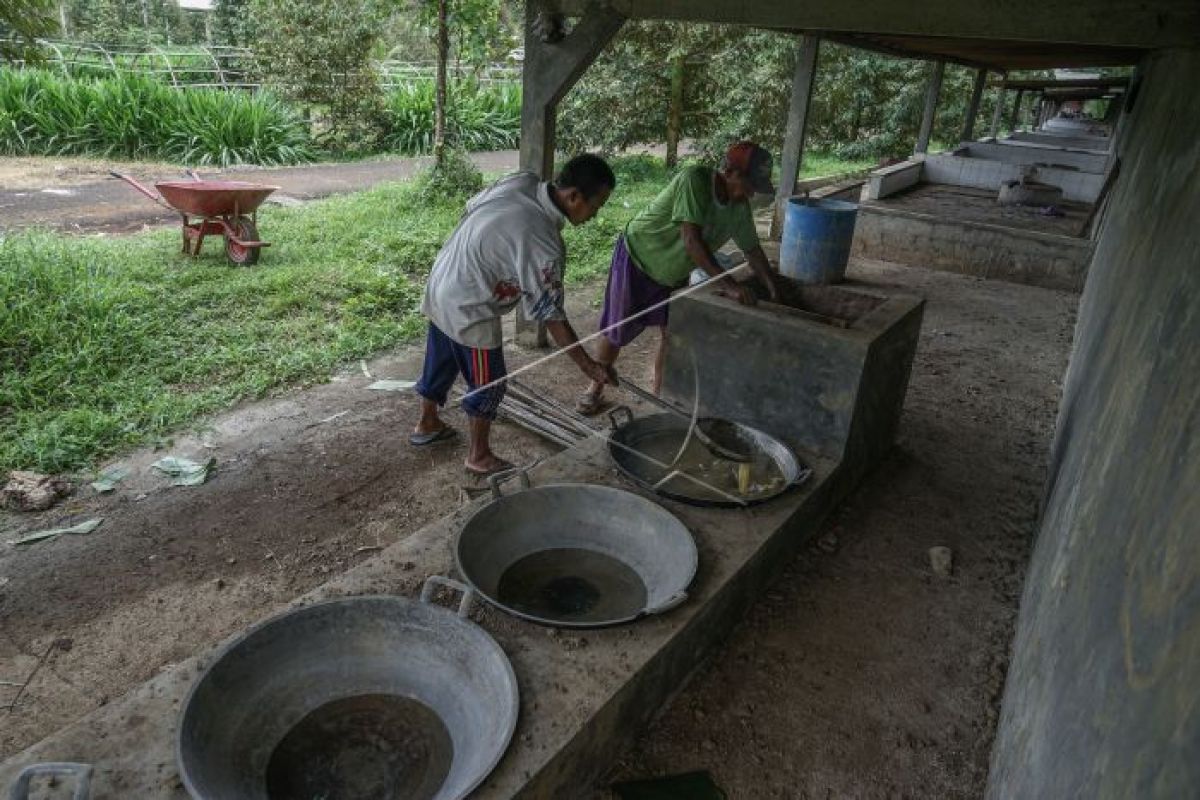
pixel 501 466
pixel 425 439
pixel 590 404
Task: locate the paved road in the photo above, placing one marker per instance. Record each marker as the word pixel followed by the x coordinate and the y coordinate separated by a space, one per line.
pixel 110 205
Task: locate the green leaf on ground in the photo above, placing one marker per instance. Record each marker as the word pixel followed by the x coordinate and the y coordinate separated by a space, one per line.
pixel 185 471
pixel 392 385
pixel 107 480
pixel 83 527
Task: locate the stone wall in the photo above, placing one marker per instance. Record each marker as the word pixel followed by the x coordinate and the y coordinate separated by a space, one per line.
pixel 1103 695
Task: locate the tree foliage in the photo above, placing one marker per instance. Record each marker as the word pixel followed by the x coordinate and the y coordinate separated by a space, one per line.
pixel 738 85
pixel 129 22
pixel 319 52
pixel 23 21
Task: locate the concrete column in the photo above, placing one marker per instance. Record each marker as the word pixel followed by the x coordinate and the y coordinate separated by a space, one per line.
pixel 968 132
pixel 792 158
pixel 554 60
pixel 1001 94
pixel 1015 119
pixel 931 98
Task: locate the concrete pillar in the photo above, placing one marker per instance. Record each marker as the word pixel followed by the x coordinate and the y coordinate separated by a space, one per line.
pixel 931 98
pixel 554 60
pixel 968 132
pixel 1015 120
pixel 792 158
pixel 997 112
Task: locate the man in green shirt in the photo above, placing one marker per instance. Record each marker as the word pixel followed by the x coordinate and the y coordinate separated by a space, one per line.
pixel 694 216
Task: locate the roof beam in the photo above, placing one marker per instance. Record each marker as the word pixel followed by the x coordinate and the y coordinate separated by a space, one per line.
pixel 863 43
pixel 1064 83
pixel 1121 23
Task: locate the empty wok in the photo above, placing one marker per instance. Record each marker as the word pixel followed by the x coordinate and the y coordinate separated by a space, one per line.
pixel 364 697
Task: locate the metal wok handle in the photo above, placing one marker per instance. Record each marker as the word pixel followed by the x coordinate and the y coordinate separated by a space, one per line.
pixel 614 416
pixel 496 480
pixel 57 769
pixel 802 476
pixel 464 605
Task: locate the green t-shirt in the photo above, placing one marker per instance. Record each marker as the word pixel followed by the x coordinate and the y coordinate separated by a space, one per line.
pixel 653 236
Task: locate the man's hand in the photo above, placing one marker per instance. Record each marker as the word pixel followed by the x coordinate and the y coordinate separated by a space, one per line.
pixel 740 292
pixel 598 372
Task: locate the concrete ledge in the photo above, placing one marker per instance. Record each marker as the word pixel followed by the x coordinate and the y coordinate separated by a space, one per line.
pixel 1030 153
pixel 583 696
pixel 1098 143
pixel 979 173
pixel 972 248
pixel 889 180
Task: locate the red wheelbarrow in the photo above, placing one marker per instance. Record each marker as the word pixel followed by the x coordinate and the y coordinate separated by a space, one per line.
pixel 222 207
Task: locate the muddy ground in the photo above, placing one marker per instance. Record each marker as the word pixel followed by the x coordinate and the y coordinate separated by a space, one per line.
pixel 860 674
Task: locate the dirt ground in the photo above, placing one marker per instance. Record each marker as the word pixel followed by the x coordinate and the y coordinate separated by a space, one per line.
pixel 860 674
pixel 78 195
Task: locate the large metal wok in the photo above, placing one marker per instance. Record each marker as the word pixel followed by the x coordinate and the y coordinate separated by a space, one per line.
pixel 366 697
pixel 575 555
pixel 645 450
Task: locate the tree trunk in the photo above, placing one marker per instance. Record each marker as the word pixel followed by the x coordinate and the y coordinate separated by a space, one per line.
pixel 439 114
pixel 675 112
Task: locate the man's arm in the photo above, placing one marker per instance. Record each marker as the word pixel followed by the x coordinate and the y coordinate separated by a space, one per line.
pixel 564 336
pixel 762 270
pixel 697 250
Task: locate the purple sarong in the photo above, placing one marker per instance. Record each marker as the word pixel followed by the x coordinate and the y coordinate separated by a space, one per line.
pixel 629 291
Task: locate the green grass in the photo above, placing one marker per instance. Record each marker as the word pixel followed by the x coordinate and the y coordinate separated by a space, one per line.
pixel 111 342
pixel 129 116
pixel 820 164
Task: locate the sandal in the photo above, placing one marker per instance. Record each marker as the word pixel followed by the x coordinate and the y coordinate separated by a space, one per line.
pixel 501 466
pixel 426 439
pixel 590 404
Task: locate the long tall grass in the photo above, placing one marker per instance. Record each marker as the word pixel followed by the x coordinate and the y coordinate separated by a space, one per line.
pixel 479 117
pixel 134 117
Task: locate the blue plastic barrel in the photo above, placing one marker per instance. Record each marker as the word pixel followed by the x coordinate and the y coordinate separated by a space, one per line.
pixel 816 239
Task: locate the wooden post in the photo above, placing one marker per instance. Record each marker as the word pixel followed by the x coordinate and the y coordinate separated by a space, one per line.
pixel 931 98
pixel 968 132
pixel 792 158
pixel 1015 120
pixel 997 112
pixel 554 60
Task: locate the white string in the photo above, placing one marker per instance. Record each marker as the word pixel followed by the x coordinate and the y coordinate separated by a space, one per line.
pixel 691 289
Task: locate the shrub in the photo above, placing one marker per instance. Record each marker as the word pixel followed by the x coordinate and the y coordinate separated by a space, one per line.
pixel 128 116
pixel 479 117
pixel 454 180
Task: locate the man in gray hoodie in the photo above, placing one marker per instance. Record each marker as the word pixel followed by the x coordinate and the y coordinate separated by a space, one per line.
pixel 507 249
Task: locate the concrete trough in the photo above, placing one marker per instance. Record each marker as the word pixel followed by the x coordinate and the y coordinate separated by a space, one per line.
pixel 891 232
pixel 827 369
pixel 584 695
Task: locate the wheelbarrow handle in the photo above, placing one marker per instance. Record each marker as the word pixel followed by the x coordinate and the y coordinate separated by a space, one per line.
pixel 137 185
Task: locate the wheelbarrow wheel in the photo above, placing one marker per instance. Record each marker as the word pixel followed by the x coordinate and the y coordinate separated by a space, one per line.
pixel 244 229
